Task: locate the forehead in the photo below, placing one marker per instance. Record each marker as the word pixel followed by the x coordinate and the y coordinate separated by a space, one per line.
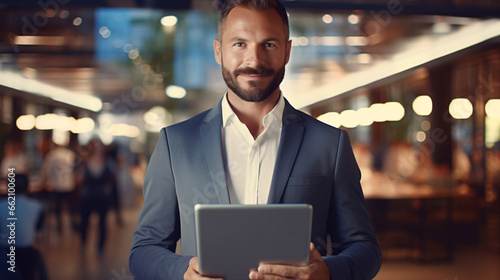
pixel 243 21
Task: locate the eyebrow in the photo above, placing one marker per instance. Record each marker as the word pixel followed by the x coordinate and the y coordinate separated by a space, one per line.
pixel 237 39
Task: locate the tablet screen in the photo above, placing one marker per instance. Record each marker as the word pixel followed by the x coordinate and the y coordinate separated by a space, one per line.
pixel 233 239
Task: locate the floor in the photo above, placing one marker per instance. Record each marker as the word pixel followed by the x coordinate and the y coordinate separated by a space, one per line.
pixel 65 259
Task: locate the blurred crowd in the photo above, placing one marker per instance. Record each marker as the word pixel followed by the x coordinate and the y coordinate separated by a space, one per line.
pixel 75 182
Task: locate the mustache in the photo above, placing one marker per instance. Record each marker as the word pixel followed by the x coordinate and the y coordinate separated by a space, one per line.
pixel 254 71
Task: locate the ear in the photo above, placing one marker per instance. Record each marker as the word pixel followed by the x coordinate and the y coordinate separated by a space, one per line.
pixel 287 52
pixel 217 51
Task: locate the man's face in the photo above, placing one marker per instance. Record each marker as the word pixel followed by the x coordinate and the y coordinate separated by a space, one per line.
pixel 253 53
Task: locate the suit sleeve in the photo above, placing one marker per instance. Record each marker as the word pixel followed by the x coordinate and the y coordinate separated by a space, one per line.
pixel 158 229
pixel 356 254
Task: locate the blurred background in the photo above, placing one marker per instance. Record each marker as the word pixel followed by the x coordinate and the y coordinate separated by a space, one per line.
pixel 85 87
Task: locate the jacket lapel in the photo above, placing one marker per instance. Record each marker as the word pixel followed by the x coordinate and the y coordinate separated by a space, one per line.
pixel 210 131
pixel 291 138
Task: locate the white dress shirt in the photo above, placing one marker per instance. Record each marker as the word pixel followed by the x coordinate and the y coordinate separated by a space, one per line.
pixel 249 163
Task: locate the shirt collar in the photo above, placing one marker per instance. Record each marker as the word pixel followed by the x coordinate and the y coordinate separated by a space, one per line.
pixel 276 113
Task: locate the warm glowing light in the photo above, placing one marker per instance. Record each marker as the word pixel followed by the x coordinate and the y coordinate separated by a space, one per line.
pixel 133 54
pixel 492 108
pixel 420 136
pixel 461 108
pixel 349 118
pixel 77 21
pixel 378 112
pixel 39 40
pixel 394 111
pixel 175 92
pixel 156 118
pixel 356 41
pixel 327 18
pixel 46 122
pixel 389 111
pixel 21 83
pixel 122 129
pixel 25 122
pixel 365 116
pixel 422 105
pixel 55 122
pixel 353 19
pixel 83 125
pixel 331 118
pixel 168 21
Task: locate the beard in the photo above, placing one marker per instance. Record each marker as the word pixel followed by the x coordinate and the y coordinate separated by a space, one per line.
pixel 257 90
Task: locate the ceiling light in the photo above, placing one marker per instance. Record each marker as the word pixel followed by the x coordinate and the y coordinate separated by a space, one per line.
pixel 492 108
pixel 353 19
pixel 378 112
pixel 422 105
pixel 83 125
pixel 18 82
pixel 461 108
pixel 175 92
pixel 168 21
pixel 365 116
pixel 25 122
pixel 327 18
pixel 349 118
pixel 39 40
pixel 394 111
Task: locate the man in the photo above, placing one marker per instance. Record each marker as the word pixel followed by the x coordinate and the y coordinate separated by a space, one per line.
pixel 254 148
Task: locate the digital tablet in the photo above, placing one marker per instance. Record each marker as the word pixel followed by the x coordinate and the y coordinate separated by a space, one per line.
pixel 233 239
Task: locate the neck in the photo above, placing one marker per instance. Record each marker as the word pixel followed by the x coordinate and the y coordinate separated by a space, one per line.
pixel 252 113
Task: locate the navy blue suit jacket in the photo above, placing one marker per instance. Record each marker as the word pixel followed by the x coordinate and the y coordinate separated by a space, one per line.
pixel 315 165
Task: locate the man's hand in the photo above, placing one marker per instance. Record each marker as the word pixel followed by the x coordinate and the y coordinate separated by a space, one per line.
pixel 192 272
pixel 315 270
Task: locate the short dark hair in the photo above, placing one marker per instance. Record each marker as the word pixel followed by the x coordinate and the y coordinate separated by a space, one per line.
pixel 260 5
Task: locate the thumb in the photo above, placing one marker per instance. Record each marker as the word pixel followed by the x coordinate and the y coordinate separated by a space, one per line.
pixel 314 255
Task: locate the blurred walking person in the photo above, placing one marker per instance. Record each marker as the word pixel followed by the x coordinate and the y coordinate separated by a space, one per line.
pixel 96 180
pixel 57 177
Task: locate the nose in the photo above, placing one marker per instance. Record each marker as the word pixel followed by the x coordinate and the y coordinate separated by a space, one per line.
pixel 254 56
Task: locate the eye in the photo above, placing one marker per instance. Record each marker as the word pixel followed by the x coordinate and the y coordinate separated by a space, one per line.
pixel 239 45
pixel 269 45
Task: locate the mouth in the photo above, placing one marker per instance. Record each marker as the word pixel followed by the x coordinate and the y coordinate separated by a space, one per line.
pixel 254 76
pixel 254 73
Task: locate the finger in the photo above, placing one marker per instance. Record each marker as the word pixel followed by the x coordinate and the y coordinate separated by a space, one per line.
pixel 280 270
pixel 255 275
